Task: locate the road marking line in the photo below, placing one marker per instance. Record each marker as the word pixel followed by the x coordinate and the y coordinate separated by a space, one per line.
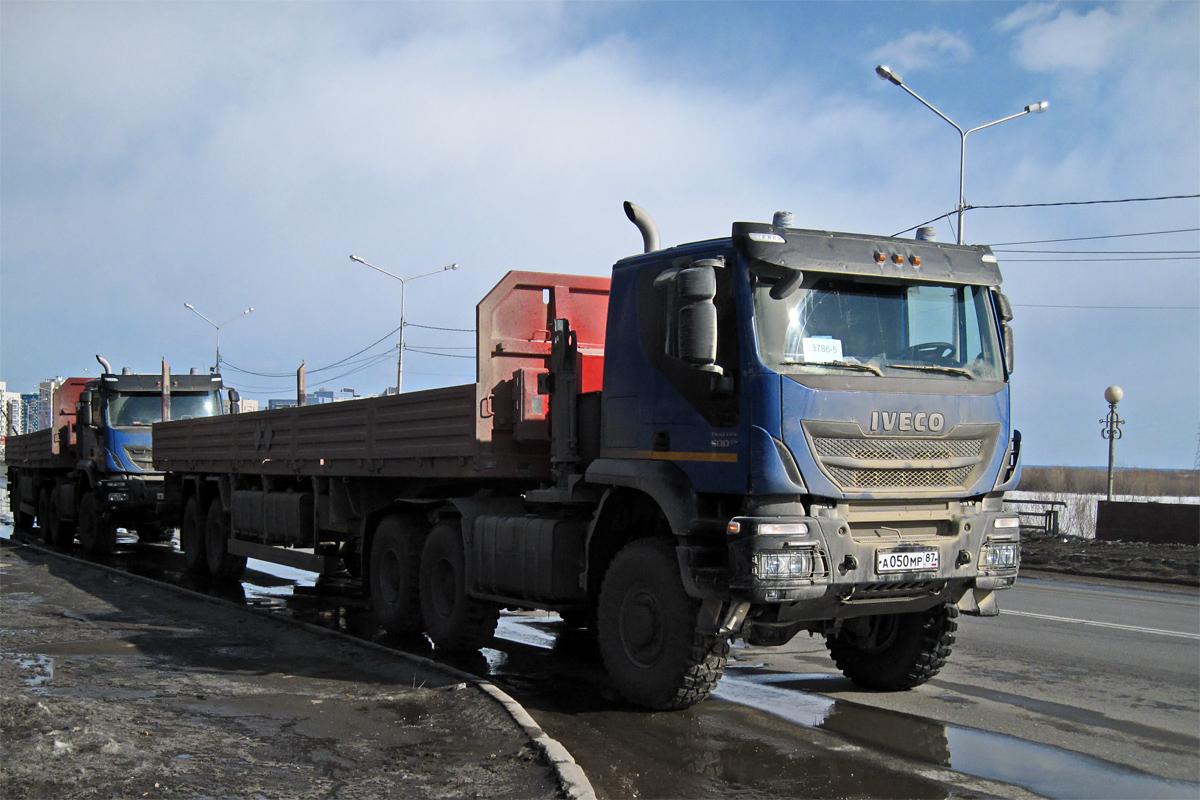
pixel 1180 634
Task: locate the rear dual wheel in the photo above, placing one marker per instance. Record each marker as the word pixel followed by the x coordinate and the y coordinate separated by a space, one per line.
pixel 395 575
pixel 453 620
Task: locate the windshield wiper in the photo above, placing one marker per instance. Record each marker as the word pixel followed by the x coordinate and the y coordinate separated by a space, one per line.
pixel 842 364
pixel 934 368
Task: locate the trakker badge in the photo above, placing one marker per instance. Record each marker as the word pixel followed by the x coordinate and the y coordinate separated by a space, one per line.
pixel 919 421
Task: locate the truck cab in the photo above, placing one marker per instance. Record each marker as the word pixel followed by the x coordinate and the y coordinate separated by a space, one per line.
pixel 116 412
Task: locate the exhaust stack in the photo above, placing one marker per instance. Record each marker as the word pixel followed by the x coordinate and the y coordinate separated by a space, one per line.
pixel 104 363
pixel 638 216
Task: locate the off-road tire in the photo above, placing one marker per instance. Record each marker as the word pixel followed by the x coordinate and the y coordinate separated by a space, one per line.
pixel 59 532
pixel 903 650
pixel 647 631
pixel 191 538
pixel 395 575
pixel 22 521
pixel 96 536
pixel 454 621
pixel 222 564
pixel 43 515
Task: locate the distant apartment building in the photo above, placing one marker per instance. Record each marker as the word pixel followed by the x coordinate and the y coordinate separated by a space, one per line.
pixel 46 402
pixel 313 398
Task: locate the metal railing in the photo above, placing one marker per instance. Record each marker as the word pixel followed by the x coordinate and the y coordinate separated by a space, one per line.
pixel 1044 518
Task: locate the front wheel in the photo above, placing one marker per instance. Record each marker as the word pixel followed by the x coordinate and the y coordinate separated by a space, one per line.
pixel 96 536
pixel 893 652
pixel 453 620
pixel 647 631
pixel 221 563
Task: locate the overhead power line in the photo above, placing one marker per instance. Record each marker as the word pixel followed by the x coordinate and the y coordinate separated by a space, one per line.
pixel 1103 252
pixel 1114 308
pixel 1094 260
pixel 1092 202
pixel 1090 238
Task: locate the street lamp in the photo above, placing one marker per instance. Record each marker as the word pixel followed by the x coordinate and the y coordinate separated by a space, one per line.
pixel 218 327
pixel 886 74
pixel 1112 428
pixel 400 356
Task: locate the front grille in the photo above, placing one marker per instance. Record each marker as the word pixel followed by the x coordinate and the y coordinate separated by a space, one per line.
pixel 907 449
pixel 899 478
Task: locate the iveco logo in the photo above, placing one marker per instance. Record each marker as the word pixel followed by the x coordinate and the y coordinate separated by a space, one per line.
pixel 919 421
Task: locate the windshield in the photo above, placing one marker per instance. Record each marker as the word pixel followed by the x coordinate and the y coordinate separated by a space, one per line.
pixel 835 325
pixel 129 410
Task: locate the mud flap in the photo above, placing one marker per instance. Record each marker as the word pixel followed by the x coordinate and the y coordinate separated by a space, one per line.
pixel 979 603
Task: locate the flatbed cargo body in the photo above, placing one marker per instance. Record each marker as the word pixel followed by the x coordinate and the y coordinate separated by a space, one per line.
pixel 426 434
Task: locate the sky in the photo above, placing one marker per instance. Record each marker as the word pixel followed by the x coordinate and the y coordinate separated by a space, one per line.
pixel 233 155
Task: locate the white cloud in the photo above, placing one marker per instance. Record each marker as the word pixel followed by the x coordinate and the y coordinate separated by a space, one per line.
pixel 920 49
pixel 1026 14
pixel 1070 41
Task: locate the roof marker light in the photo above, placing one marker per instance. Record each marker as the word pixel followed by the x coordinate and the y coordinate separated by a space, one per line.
pixel 916 261
pixel 897 259
pixel 772 238
pixel 880 258
pixel 988 258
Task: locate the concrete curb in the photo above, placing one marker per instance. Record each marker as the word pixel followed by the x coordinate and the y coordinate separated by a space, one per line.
pixel 571 777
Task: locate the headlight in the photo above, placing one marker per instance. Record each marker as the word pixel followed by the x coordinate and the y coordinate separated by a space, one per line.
pixel 769 566
pixel 1000 555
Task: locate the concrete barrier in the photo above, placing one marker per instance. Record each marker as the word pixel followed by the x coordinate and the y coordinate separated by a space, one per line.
pixel 1154 523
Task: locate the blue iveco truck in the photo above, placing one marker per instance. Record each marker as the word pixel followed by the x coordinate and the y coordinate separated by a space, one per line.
pixel 774 432
pixel 91 471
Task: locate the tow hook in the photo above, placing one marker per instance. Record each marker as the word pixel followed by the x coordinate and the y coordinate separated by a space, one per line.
pixel 848 563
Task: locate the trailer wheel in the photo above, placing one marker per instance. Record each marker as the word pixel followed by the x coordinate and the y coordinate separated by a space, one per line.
pixel 221 563
pixel 96 536
pixel 43 515
pixel 453 620
pixel 395 575
pixel 191 538
pixel 22 521
pixel 647 628
pixel 892 652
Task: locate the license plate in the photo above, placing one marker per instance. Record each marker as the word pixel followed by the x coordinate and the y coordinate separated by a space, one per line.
pixel 905 560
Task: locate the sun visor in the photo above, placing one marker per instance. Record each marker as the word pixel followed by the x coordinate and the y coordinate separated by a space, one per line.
pixel 873 256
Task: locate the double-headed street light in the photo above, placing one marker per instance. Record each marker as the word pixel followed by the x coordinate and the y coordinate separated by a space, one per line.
pixel 400 355
pixel 886 74
pixel 218 327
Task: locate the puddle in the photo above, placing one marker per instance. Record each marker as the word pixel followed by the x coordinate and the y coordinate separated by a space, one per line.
pixel 93 647
pixel 41 668
pixel 1044 769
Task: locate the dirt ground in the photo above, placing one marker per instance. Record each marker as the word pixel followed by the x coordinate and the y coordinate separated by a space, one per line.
pixel 114 688
pixel 1158 563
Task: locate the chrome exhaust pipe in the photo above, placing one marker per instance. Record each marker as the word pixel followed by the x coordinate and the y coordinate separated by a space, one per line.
pixel 638 216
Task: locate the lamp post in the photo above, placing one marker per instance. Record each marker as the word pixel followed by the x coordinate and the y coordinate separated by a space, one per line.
pixel 217 366
pixel 1112 428
pixel 886 74
pixel 400 355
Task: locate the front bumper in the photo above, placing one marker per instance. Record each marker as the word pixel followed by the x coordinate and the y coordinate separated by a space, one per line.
pixel 824 567
pixel 126 497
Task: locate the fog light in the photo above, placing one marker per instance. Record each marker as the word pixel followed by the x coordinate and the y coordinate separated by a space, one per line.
pixel 1004 555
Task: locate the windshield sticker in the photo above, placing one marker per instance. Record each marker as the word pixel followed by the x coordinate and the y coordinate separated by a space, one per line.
pixel 822 349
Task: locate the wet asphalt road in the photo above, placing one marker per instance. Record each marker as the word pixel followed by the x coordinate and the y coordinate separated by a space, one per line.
pixel 1053 707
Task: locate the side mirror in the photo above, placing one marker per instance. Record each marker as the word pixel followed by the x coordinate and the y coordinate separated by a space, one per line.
pixel 235 402
pixel 693 313
pixel 83 409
